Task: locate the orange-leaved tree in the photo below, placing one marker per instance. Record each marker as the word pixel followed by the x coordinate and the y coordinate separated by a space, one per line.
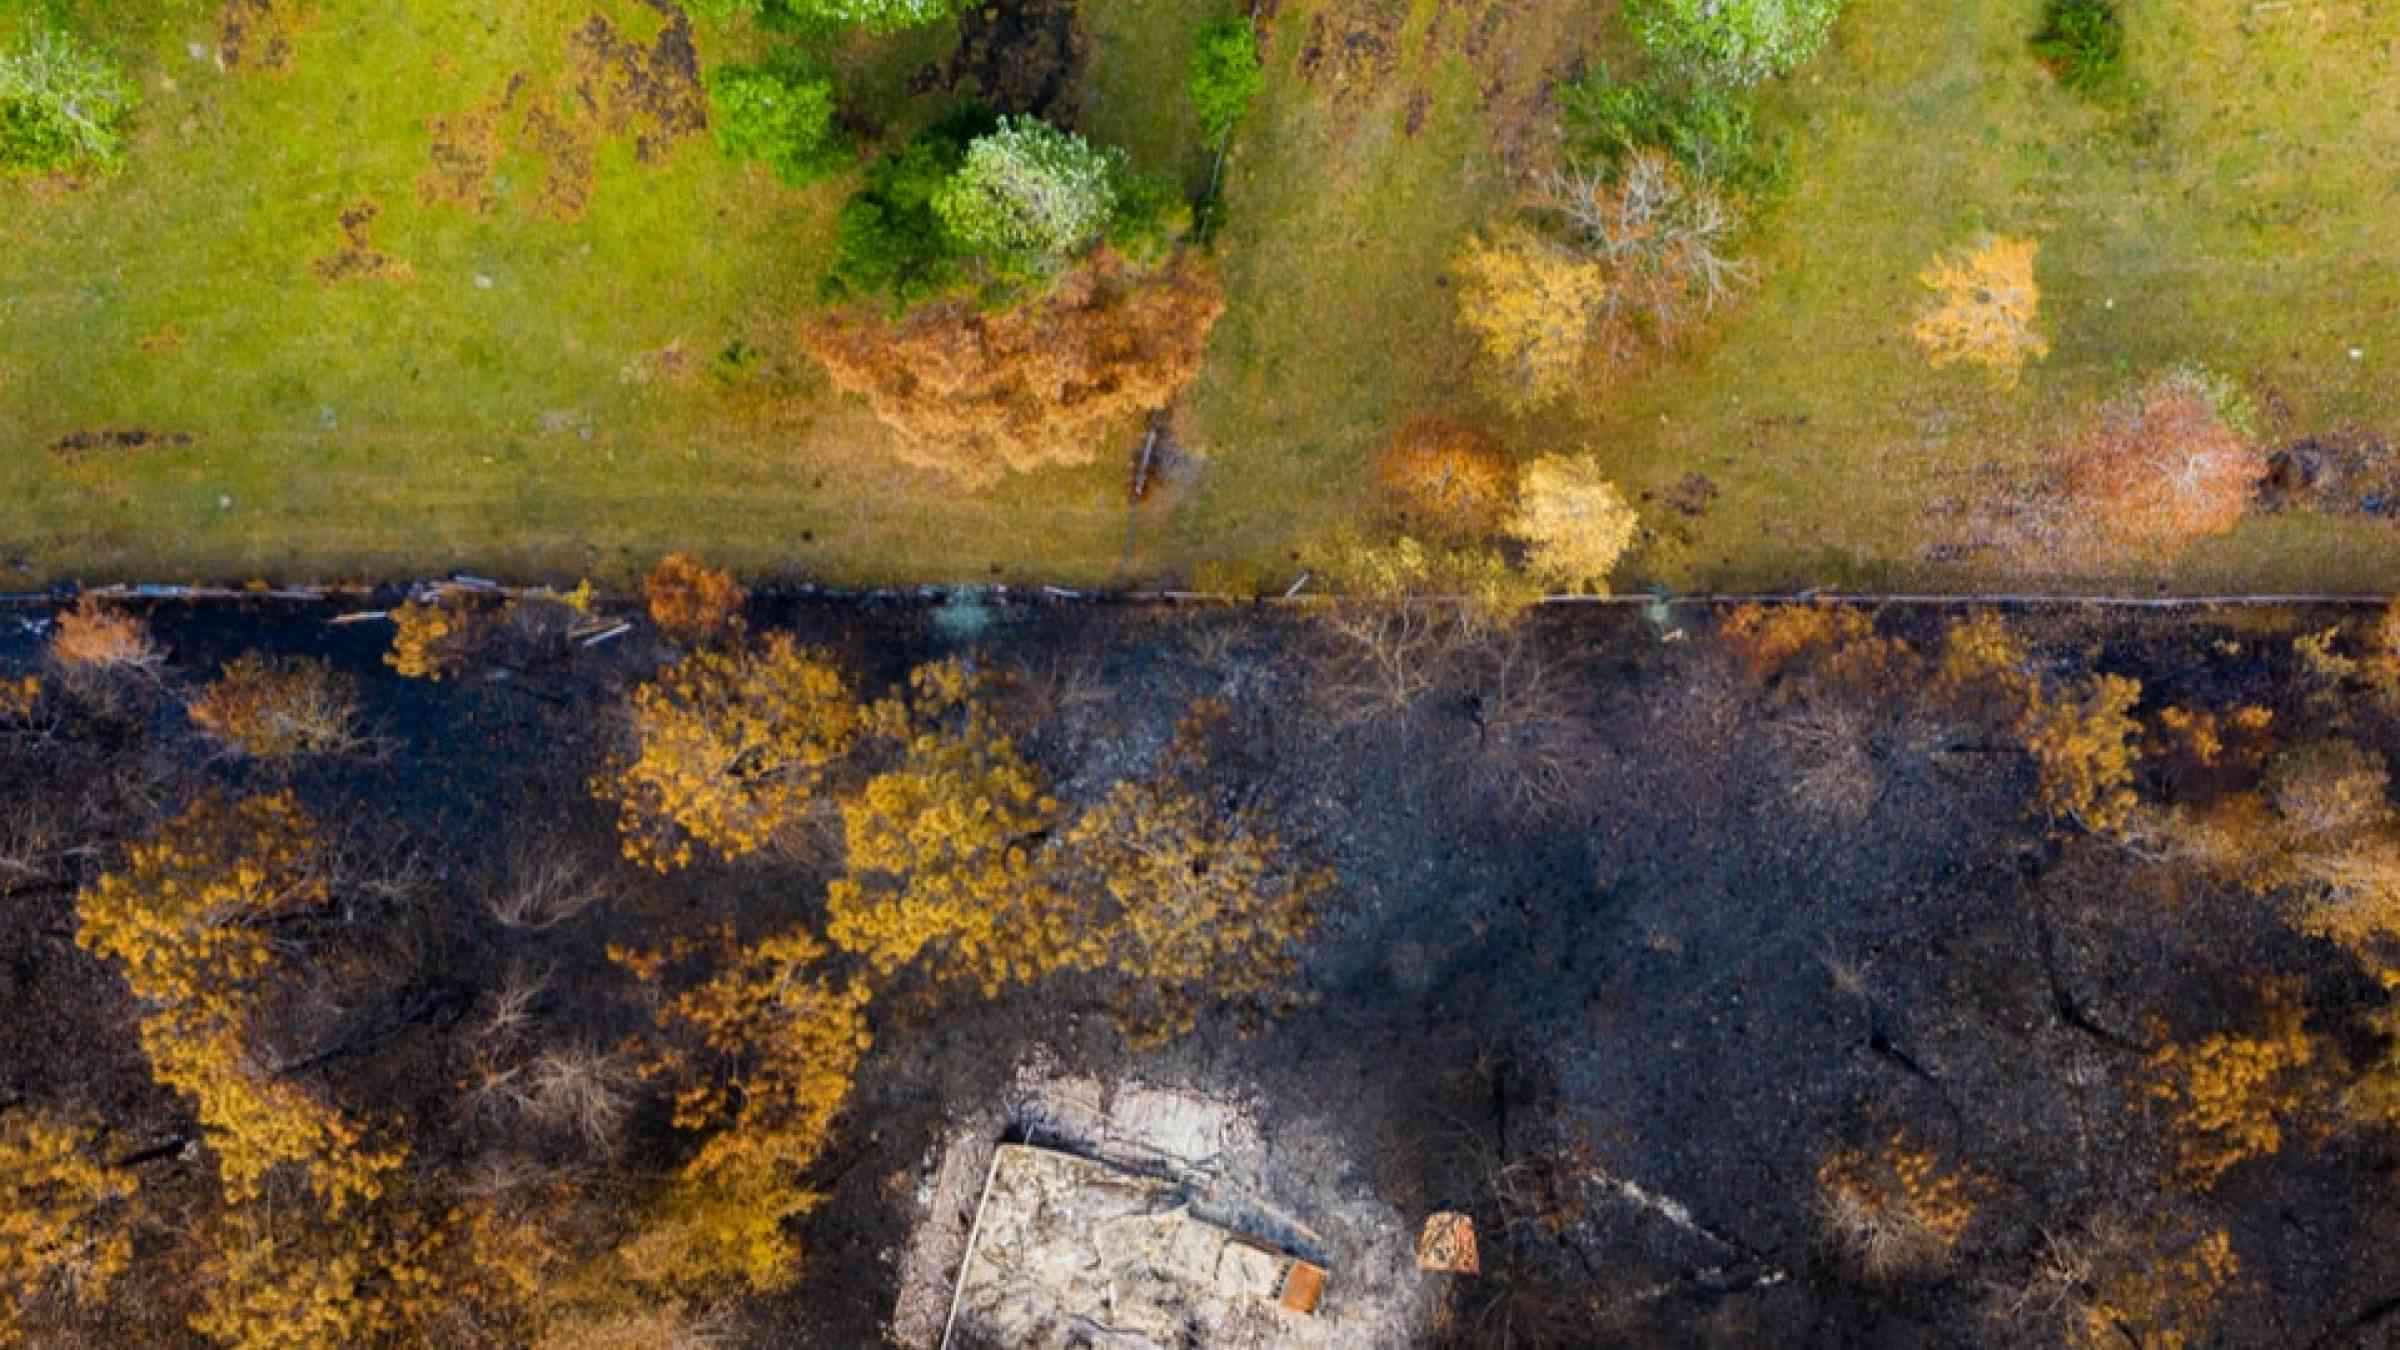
pixel 1447 478
pixel 729 748
pixel 761 1051
pixel 693 601
pixel 190 920
pixel 2166 464
pixel 942 847
pixel 979 394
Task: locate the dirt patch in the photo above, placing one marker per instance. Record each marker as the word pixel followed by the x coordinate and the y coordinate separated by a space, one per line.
pixel 466 148
pixel 1691 494
pixel 1021 58
pixel 1418 102
pixel 258 34
pixel 1352 54
pixel 355 255
pixel 77 445
pixel 2336 475
pixel 167 339
pixel 613 87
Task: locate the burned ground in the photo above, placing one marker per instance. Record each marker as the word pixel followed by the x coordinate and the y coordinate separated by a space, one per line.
pixel 1623 1020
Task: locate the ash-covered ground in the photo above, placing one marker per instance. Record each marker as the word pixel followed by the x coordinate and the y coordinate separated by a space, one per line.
pixel 1630 949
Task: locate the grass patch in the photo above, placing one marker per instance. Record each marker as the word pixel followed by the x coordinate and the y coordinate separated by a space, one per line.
pixel 535 383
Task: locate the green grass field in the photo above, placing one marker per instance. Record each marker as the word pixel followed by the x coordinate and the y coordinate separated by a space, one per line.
pixel 553 390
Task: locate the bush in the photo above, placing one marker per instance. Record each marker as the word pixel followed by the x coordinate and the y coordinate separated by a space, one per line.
pixel 1708 130
pixel 1029 196
pixel 691 601
pixel 1662 238
pixel 2083 45
pixel 877 16
pixel 891 243
pixel 93 637
pixel 278 709
pixel 1148 219
pixel 782 113
pixel 2166 464
pixel 1451 480
pixel 1225 75
pixel 62 106
pixel 1734 42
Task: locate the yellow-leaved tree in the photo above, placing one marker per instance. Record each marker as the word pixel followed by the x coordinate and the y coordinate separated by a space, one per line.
pixel 63 1218
pixel 283 1277
pixel 729 748
pixel 189 919
pixel 941 846
pixel 1986 307
pixel 762 1051
pixel 1533 306
pixel 1204 903
pixel 1575 523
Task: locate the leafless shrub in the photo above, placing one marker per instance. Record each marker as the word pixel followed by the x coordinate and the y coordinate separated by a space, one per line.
pixel 545 887
pixel 1662 237
pixel 580 1089
pixel 1530 745
pixel 1836 778
pixel 510 1011
pixel 1385 658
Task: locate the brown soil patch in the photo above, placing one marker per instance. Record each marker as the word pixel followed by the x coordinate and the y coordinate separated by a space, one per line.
pixel 355 254
pixel 466 148
pixel 166 339
pixel 257 34
pixel 1021 58
pixel 1692 494
pixel 77 445
pixel 613 87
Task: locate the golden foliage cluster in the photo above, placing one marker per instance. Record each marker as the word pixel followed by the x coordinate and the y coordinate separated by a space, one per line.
pixel 1839 639
pixel 762 1052
pixel 1534 307
pixel 2230 1094
pixel 279 1280
pixel 1452 480
pixel 942 847
pixel 1575 523
pixel 2161 467
pixel 1986 309
pixel 1206 904
pixel 980 394
pixel 2155 1294
pixel 63 1217
pixel 1896 1209
pixel 430 640
pixel 95 637
pixel 692 601
pixel 2084 742
pixel 278 708
pixel 185 918
pixel 729 748
pixel 19 698
pixel 1476 585
pixel 2321 827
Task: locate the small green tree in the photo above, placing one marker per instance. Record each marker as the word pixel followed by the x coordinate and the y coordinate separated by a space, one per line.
pixel 1030 196
pixel 62 106
pixel 1732 41
pixel 1225 75
pixel 781 112
pixel 891 243
pixel 877 16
